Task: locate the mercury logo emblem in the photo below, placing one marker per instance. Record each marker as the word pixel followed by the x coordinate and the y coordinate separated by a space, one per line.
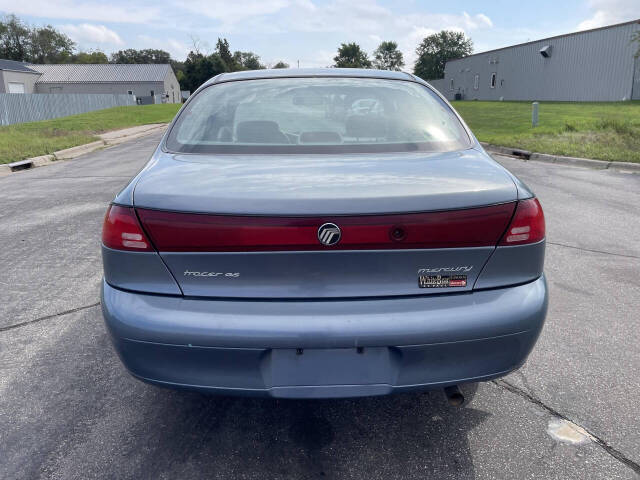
pixel 329 234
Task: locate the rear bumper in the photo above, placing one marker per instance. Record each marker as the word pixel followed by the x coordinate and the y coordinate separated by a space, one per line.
pixel 253 347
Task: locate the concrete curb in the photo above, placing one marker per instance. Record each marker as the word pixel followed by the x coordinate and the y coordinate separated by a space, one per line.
pixel 119 136
pixel 74 152
pixel 560 160
pixel 107 139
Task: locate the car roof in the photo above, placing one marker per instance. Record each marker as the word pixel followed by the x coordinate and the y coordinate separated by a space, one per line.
pixel 310 72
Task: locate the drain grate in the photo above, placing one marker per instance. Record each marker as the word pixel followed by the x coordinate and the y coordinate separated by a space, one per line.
pixel 21 165
pixel 521 153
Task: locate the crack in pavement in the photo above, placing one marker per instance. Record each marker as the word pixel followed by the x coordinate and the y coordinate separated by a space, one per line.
pixel 48 317
pixel 618 455
pixel 621 457
pixel 592 251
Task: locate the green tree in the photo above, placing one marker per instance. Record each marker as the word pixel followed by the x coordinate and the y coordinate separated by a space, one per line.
pixel 148 55
pixel 238 60
pixel 178 69
pixel 248 60
pixel 224 51
pixel 350 55
pixel 437 49
pixel 90 57
pixel 45 44
pixel 388 57
pixel 198 68
pixel 15 39
pixel 182 79
pixel 50 46
pixel 281 64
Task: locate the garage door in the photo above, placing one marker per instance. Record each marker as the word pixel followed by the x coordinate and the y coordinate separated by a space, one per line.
pixel 15 87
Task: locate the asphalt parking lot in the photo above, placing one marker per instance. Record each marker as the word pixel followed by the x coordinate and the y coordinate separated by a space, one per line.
pixel 69 410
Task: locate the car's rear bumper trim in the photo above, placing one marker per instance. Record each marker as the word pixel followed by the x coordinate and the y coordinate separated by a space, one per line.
pixel 331 324
pixel 311 349
pixel 320 391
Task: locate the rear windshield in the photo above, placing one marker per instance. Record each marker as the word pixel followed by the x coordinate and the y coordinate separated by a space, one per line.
pixel 316 115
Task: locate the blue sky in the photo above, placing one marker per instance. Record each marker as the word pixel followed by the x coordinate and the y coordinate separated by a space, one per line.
pixel 310 31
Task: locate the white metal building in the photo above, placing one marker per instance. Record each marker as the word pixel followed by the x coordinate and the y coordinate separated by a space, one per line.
pixel 592 65
pixel 152 81
pixel 141 80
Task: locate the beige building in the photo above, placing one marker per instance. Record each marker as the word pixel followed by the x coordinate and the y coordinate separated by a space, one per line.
pixel 16 77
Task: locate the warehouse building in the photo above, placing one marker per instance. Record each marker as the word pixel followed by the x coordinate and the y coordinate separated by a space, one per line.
pixel 587 66
pixel 154 83
pixel 153 80
pixel 17 77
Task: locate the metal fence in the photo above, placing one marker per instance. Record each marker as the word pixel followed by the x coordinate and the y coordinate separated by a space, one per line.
pixel 31 107
pixel 635 92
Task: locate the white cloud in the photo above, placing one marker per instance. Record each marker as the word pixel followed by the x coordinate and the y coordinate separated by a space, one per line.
pixel 310 59
pixel 482 18
pixel 87 33
pixel 364 21
pixel 367 22
pixel 233 12
pixel 83 10
pixel 609 12
pixel 320 59
pixel 176 48
pixel 361 17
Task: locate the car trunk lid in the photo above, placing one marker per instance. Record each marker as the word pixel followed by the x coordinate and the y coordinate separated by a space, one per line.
pixel 252 227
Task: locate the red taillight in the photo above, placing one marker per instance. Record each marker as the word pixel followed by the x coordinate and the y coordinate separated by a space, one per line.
pixel 121 230
pixel 183 232
pixel 527 225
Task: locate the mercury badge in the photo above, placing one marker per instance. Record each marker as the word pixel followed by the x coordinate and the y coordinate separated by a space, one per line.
pixel 329 234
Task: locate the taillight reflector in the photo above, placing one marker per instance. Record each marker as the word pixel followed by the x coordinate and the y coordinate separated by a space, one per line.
pixel 184 232
pixel 121 230
pixel 527 225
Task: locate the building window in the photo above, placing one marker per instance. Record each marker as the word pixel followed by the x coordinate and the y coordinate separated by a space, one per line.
pixel 15 87
pixel 476 81
pixel 152 93
pixel 129 92
pixel 493 80
pixel 451 85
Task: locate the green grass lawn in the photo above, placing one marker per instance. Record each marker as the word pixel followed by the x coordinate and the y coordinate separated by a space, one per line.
pixel 26 140
pixel 605 131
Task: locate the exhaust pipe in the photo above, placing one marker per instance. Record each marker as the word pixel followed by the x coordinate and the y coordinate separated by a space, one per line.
pixel 454 396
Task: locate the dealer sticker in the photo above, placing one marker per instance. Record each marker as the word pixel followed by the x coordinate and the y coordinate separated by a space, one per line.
pixel 442 281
